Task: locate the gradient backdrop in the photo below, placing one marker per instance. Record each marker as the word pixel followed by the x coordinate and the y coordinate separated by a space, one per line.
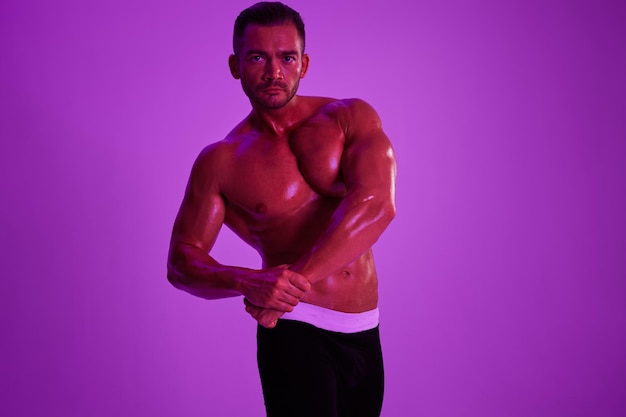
pixel 502 278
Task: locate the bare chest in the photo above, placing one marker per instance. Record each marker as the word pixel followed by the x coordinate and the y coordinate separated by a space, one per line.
pixel 265 181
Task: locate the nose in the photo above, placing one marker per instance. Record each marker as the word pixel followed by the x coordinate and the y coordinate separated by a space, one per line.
pixel 273 70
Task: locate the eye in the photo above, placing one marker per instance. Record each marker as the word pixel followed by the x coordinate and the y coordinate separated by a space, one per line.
pixel 256 58
pixel 289 58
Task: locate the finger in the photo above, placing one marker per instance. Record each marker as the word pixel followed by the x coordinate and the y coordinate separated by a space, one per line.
pixel 280 297
pixel 267 322
pixel 266 319
pixel 282 306
pixel 250 308
pixel 253 311
pixel 295 293
pixel 249 303
pixel 270 318
pixel 268 325
pixel 290 299
pixel 299 282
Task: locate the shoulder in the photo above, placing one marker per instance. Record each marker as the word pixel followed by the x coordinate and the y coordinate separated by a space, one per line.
pixel 211 165
pixel 218 154
pixel 359 107
pixel 211 155
pixel 215 161
pixel 361 111
pixel 363 129
pixel 336 106
pixel 353 114
pixel 358 118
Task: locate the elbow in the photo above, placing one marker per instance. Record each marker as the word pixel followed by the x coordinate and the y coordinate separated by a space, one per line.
pixel 176 266
pixel 373 212
pixel 387 212
pixel 173 277
pixel 377 213
pixel 379 207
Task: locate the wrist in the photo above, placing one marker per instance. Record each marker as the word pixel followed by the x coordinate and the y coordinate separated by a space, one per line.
pixel 241 280
pixel 302 267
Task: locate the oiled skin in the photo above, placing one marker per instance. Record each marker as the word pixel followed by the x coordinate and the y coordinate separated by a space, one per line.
pixel 309 185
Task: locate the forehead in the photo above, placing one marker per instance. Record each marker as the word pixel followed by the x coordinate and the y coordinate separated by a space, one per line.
pixel 271 37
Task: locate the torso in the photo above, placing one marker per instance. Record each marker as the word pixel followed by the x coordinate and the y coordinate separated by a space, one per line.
pixel 280 196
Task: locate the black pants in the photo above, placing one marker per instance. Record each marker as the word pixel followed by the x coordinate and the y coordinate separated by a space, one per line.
pixel 306 371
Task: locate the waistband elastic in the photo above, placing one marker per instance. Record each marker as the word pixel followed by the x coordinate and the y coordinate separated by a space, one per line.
pixel 332 320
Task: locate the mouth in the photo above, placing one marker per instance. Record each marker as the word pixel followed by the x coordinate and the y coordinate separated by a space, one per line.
pixel 273 89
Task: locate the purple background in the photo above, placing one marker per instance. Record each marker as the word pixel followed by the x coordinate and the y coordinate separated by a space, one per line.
pixel 502 278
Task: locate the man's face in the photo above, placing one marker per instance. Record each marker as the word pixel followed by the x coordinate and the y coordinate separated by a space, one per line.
pixel 270 64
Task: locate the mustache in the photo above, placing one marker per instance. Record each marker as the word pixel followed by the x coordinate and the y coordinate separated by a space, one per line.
pixel 272 84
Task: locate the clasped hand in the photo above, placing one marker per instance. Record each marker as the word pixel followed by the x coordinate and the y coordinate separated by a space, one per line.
pixel 272 292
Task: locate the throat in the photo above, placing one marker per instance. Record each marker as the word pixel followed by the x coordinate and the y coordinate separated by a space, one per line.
pixel 278 122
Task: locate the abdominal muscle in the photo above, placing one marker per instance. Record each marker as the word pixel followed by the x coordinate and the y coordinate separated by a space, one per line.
pixel 282 239
pixel 353 289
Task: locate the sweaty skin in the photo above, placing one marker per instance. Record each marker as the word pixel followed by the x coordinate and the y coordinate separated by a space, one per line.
pixel 306 181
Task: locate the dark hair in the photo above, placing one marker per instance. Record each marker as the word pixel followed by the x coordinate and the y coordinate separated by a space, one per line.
pixel 266 13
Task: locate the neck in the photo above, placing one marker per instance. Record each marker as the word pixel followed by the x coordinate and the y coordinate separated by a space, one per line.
pixel 277 121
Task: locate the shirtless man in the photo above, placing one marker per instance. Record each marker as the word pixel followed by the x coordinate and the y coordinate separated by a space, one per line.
pixel 309 183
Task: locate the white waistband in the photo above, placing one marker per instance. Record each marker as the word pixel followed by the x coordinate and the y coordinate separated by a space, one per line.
pixel 332 320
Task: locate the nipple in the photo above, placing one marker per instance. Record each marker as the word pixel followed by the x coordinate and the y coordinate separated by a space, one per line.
pixel 260 208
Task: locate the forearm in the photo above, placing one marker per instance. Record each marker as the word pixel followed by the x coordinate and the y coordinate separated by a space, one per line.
pixel 355 226
pixel 192 270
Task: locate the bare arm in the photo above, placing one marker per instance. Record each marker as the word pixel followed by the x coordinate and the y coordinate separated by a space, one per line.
pixel 368 168
pixel 192 269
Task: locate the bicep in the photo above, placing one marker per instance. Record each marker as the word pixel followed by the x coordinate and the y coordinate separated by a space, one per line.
pixel 368 161
pixel 202 210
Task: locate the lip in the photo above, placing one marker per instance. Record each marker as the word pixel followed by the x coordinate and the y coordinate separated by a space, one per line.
pixel 273 90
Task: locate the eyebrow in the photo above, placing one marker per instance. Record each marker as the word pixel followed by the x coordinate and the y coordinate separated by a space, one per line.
pixel 255 52
pixel 259 52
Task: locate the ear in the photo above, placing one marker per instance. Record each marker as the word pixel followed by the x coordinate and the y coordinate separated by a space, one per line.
pixel 233 64
pixel 305 65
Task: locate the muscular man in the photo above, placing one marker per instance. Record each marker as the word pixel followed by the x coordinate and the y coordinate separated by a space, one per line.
pixel 309 183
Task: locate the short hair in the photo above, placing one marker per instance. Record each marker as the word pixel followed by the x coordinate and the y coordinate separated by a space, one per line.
pixel 267 13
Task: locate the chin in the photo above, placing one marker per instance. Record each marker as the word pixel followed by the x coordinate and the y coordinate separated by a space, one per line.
pixel 273 103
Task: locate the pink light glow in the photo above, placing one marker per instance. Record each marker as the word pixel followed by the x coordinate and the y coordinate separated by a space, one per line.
pixel 503 289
